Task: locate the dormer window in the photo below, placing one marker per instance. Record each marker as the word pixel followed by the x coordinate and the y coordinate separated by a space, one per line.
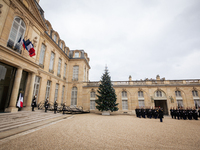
pixel 61 45
pixel 55 37
pixel 76 55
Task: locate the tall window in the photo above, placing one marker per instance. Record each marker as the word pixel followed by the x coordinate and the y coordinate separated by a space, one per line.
pixel 42 53
pixel 179 99
pixel 140 94
pixel 74 96
pixel 56 92
pixel 48 89
pixel 196 98
pixel 92 100
pixel 65 68
pixel 51 62
pixel 141 103
pixel 59 66
pixel 194 93
pixel 141 99
pixel 36 86
pixel 63 89
pixel 17 31
pixel 55 37
pixel 124 100
pixel 75 72
pixel 76 55
pixel 178 93
pixel 158 93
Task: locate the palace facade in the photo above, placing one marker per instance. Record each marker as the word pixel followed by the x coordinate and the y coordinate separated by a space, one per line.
pixel 63 74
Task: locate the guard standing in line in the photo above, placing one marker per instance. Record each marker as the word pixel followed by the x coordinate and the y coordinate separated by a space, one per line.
pixel 156 113
pixel 33 104
pixel 160 114
pixel 46 104
pixel 64 104
pixel 150 113
pixel 171 112
pixel 184 114
pixel 55 106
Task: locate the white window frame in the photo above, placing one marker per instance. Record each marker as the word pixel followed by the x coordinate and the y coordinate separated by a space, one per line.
pixel 56 92
pixel 51 64
pixel 159 94
pixel 74 96
pixel 42 53
pixel 140 94
pixel 59 66
pixel 63 90
pixel 92 100
pixel 76 55
pixel 178 93
pixel 36 86
pixel 17 31
pixel 179 102
pixel 48 88
pixel 141 103
pixel 75 72
pixel 65 69
pixel 124 100
pixel 195 93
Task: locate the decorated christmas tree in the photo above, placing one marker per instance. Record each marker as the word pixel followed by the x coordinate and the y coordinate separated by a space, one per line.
pixel 106 97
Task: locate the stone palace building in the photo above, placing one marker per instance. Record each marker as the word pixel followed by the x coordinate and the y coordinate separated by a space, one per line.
pixel 63 74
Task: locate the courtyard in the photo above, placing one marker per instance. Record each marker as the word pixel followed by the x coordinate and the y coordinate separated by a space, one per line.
pixel 93 131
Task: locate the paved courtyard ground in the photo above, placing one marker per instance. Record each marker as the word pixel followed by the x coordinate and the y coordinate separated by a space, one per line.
pixel 92 131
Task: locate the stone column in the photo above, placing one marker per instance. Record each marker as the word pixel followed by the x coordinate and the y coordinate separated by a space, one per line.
pixel 15 91
pixel 30 93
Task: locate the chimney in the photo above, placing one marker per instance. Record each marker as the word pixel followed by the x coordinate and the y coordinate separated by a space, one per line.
pixel 130 78
pixel 157 77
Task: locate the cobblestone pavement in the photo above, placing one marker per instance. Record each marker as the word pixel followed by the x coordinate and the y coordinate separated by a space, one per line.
pixel 92 131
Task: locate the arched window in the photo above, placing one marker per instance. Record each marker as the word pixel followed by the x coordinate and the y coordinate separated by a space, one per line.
pixel 196 98
pixel 141 99
pixel 194 93
pixel 158 93
pixel 124 100
pixel 17 31
pixel 179 99
pixel 140 94
pixel 74 96
pixel 92 100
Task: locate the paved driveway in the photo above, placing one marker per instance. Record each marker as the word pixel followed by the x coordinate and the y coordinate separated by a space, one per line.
pixel 92 131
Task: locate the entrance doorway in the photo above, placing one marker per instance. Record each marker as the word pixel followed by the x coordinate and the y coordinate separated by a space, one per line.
pixel 162 104
pixel 7 75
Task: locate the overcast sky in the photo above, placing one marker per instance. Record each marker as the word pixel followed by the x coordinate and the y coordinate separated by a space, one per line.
pixel 141 38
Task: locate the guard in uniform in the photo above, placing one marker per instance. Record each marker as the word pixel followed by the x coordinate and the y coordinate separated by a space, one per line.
pixel 55 106
pixel 64 104
pixel 33 104
pixel 46 104
pixel 160 114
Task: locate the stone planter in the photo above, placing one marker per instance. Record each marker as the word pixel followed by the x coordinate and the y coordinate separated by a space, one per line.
pixel 106 113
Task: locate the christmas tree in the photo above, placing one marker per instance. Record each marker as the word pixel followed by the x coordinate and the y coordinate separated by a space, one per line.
pixel 106 97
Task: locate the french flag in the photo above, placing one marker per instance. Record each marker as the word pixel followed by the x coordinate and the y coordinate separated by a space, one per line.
pixel 30 48
pixel 22 42
pixel 20 101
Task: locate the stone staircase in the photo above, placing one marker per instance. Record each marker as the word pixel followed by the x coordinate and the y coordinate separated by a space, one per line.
pixel 14 123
